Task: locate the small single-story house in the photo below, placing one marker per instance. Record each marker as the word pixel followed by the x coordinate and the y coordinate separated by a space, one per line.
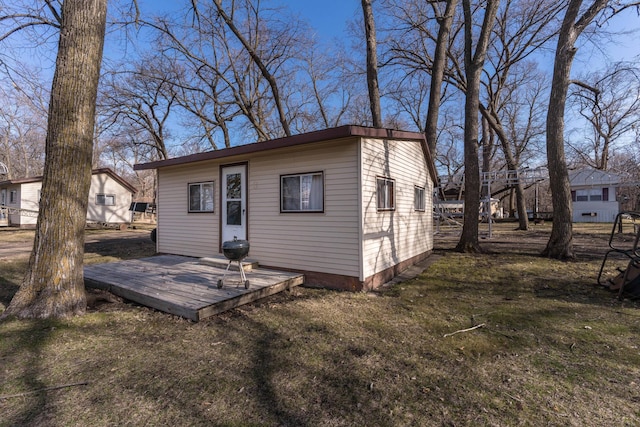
pixel 350 206
pixel 593 193
pixel 110 196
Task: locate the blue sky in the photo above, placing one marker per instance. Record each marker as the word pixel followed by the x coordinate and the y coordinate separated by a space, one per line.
pixel 328 17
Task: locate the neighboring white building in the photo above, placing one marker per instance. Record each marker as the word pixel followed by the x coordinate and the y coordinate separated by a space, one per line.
pixel 350 207
pixel 110 197
pixel 593 193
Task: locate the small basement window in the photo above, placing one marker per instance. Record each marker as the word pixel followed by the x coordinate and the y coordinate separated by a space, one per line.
pixel 201 197
pixel 385 188
pixel 105 199
pixel 302 192
pixel 418 199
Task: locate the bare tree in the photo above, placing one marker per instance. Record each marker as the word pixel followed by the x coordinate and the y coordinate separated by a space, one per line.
pixel 258 61
pixel 610 102
pixel 142 100
pixel 330 95
pixel 522 28
pixel 235 59
pixel 22 133
pixel 372 63
pixel 576 19
pixel 437 73
pixel 54 283
pixel 474 64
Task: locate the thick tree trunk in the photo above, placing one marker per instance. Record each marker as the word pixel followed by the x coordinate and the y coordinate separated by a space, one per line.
pixel 474 63
pixel 560 244
pixel 372 64
pixel 437 75
pixel 54 283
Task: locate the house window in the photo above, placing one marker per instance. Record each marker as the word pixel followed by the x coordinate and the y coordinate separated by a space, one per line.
pixel 582 195
pixel 591 195
pixel 418 198
pixel 201 197
pixel 105 199
pixel 13 197
pixel 302 192
pixel 385 188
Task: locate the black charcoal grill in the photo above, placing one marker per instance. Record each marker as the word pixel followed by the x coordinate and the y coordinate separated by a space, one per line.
pixel 235 250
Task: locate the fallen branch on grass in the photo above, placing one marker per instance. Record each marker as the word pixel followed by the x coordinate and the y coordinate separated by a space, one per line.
pixel 465 330
pixel 55 387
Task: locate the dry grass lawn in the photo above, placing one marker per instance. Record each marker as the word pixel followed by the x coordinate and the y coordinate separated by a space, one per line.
pixel 553 350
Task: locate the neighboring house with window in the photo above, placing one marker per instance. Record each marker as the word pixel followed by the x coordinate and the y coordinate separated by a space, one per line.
pixel 350 206
pixel 593 193
pixel 110 197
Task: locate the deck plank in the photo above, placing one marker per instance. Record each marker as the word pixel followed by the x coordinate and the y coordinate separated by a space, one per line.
pixel 183 286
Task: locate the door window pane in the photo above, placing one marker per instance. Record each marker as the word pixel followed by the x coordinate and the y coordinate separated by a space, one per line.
pixel 234 216
pixel 234 186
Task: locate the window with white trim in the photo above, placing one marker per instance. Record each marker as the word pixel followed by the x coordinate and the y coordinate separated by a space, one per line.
pixel 105 199
pixel 201 197
pixel 13 197
pixel 385 194
pixel 302 192
pixel 418 199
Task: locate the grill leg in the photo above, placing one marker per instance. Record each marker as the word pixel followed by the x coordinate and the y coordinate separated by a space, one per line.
pixel 242 275
pixel 221 281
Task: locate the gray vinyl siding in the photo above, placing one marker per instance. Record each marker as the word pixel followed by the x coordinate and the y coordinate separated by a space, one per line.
pixel 181 232
pixel 390 237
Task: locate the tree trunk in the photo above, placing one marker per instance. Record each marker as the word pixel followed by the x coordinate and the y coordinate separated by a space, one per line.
pixel 372 64
pixel 437 75
pixel 474 63
pixel 54 283
pixel 560 244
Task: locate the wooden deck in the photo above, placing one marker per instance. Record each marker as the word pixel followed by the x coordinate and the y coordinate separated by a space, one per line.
pixel 184 286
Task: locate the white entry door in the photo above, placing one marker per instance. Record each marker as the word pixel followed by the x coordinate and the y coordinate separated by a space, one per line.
pixel 234 202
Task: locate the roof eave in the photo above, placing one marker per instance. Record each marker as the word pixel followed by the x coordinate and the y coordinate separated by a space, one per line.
pixel 305 138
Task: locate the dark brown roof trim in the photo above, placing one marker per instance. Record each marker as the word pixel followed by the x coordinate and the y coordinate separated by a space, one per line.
pixel 305 138
pixel 107 171
pixel 116 177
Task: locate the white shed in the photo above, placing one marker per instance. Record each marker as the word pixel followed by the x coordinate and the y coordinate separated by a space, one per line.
pixel 593 193
pixel 110 197
pixel 350 206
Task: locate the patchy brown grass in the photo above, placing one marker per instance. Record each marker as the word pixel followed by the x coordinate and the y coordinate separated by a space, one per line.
pixel 8 235
pixel 554 350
